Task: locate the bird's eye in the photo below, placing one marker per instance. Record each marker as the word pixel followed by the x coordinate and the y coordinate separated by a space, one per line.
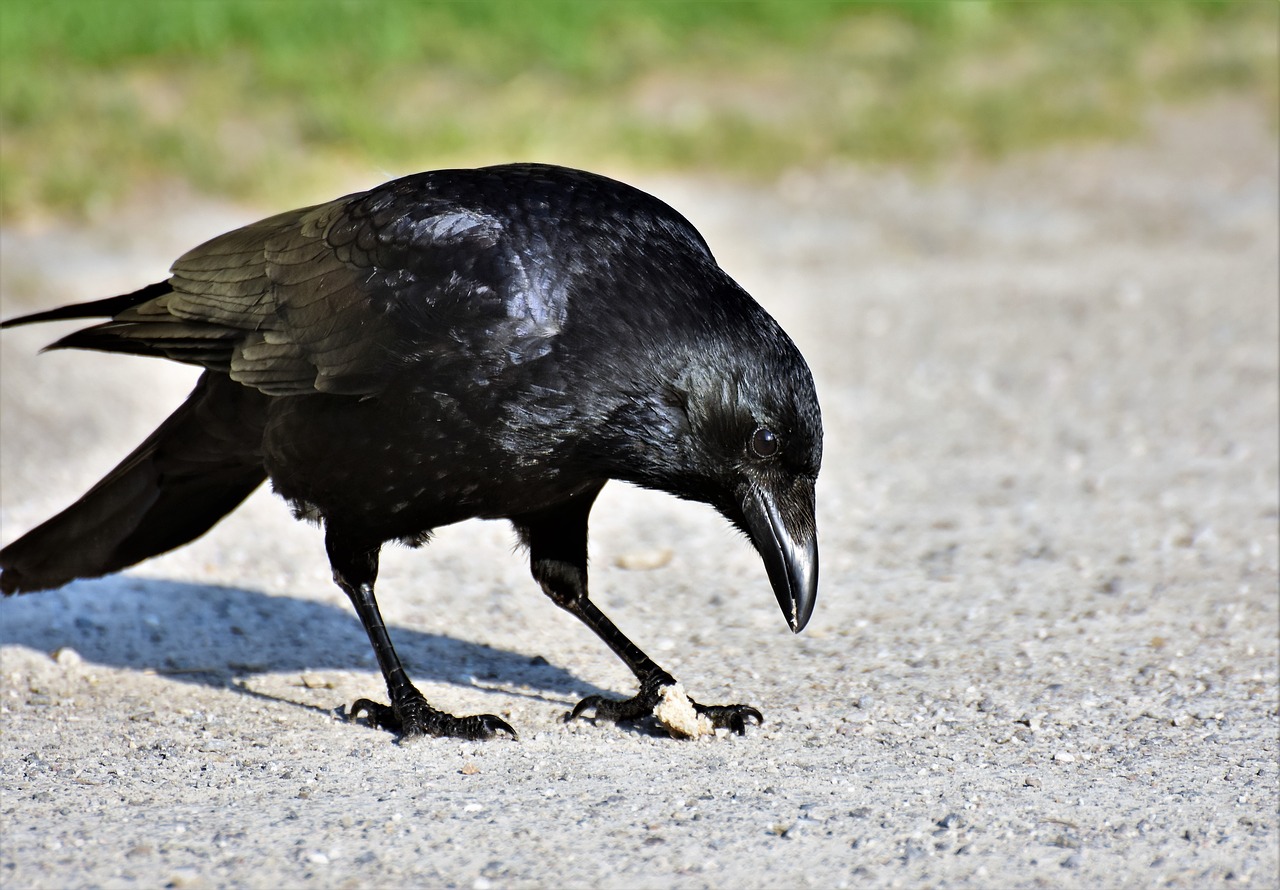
pixel 764 443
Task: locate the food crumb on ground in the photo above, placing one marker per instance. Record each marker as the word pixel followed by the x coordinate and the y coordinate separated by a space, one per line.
pixel 676 714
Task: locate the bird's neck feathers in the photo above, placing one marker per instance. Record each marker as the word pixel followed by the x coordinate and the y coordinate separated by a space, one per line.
pixel 675 427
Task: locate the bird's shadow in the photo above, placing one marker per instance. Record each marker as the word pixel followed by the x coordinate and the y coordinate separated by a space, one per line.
pixel 213 635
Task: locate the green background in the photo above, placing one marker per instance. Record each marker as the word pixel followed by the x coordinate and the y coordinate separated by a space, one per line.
pixel 271 98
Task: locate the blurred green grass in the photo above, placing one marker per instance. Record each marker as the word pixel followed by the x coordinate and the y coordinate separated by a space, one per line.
pixel 99 98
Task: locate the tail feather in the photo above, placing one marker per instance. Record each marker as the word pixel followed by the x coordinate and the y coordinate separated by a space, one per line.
pixel 106 308
pixel 193 470
pixel 140 323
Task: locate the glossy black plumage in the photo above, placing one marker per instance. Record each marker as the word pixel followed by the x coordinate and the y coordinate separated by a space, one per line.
pixel 493 343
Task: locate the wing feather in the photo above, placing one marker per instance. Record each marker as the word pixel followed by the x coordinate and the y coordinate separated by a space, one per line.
pixel 341 297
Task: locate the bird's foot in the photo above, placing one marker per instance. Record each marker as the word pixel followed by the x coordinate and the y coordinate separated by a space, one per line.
pixel 733 717
pixel 662 697
pixel 411 717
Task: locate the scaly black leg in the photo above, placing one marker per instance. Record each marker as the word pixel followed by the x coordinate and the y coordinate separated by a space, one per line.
pixel 355 569
pixel 557 540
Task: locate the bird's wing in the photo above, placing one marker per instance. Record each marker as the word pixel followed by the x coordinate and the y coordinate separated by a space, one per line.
pixel 336 298
pixel 318 296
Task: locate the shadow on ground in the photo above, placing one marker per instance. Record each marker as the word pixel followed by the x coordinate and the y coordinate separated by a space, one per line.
pixel 209 634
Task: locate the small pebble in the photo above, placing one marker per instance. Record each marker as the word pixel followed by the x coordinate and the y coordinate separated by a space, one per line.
pixel 643 560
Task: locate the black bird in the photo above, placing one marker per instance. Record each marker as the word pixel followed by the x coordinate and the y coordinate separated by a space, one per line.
pixel 493 343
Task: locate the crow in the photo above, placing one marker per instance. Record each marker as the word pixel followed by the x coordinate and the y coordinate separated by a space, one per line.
pixel 491 343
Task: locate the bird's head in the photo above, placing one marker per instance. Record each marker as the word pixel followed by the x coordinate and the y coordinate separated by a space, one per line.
pixel 732 420
pixel 755 443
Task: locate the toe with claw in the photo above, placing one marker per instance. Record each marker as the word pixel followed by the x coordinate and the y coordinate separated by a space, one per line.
pixel 410 716
pixel 732 717
pixel 662 697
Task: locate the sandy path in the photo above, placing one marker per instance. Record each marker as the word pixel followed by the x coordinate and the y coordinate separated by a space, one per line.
pixel 1045 650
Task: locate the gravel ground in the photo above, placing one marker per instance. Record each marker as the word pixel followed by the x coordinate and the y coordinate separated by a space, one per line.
pixel 1045 648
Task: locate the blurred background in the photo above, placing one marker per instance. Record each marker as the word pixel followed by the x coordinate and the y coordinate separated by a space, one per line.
pixel 101 101
pixel 1029 250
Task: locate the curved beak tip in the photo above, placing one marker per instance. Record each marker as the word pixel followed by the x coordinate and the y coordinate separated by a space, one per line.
pixel 790 557
pixel 803 577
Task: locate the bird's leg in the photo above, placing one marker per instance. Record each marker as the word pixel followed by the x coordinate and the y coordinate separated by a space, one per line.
pixel 355 568
pixel 557 540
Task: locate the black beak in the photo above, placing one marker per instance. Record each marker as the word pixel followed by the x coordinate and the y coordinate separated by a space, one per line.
pixel 783 530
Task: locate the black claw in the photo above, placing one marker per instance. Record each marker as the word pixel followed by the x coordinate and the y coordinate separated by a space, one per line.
pixel 641 705
pixel 411 717
pixel 586 704
pixel 380 716
pixel 731 717
pixel 486 726
pixel 619 710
